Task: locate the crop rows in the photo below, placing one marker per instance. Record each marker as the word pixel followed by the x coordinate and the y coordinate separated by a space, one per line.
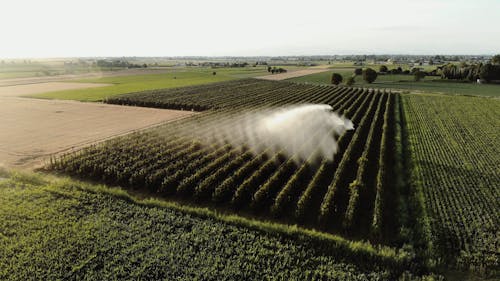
pixel 456 169
pixel 347 194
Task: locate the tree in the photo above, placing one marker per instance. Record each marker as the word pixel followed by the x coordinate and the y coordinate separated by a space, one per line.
pixel 269 69
pixel 414 70
pixel 383 68
pixel 336 78
pixel 214 73
pixel 369 75
pixel 350 81
pixel 495 59
pixel 419 75
pixel 487 72
pixel 358 71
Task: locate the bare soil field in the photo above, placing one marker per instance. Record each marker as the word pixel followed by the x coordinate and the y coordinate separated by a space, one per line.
pixel 37 88
pixel 32 129
pixel 294 73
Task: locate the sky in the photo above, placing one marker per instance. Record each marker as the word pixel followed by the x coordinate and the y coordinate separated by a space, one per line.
pixel 83 28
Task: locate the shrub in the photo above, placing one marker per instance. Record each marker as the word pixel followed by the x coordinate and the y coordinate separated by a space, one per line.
pixel 336 78
pixel 369 75
pixel 350 81
pixel 419 75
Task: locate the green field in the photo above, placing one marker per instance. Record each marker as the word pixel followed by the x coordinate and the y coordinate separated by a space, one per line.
pixel 39 68
pixel 59 229
pixel 418 175
pixel 454 145
pixel 412 189
pixel 406 83
pixel 135 83
pixel 176 161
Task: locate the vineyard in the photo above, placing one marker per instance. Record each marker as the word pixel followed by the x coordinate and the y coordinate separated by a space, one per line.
pixel 456 170
pixel 355 194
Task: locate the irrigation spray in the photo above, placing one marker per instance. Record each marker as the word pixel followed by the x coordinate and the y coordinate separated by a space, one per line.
pixel 297 130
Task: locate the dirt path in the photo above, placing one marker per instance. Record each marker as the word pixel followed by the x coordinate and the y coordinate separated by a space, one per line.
pixel 32 129
pixel 294 73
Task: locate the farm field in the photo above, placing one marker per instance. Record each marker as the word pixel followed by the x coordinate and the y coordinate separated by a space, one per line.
pixel 406 83
pixel 37 88
pixel 369 191
pixel 294 73
pixel 40 68
pixel 177 160
pixel 53 228
pixel 411 188
pixel 33 129
pixel 133 83
pixel 454 143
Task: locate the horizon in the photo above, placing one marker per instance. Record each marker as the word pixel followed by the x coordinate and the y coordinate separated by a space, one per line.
pixel 59 29
pixel 248 56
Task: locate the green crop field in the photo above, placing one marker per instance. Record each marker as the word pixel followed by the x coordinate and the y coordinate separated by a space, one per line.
pixel 399 82
pixel 411 191
pixel 27 68
pixel 59 229
pixel 454 143
pixel 414 176
pixel 318 193
pixel 176 78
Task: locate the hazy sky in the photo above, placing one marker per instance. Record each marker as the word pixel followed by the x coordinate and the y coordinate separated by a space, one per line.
pixel 64 28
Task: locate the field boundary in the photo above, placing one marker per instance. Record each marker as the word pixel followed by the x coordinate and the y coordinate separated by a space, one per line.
pixel 79 146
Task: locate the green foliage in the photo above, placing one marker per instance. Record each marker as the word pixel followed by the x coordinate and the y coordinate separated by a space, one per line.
pixel 128 84
pixel 350 81
pixel 336 78
pixel 495 59
pixel 383 69
pixel 419 75
pixel 358 71
pixel 58 229
pixel 369 75
pixel 176 161
pixel 398 82
pixel 453 143
pixel 489 72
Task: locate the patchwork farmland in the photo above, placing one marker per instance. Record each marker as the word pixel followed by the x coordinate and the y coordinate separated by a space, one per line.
pixel 171 162
pixel 411 191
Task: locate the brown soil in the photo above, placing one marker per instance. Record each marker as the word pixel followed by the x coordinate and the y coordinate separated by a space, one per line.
pixel 31 129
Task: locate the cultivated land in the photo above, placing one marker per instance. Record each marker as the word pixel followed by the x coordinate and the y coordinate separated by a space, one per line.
pixel 293 73
pixel 417 179
pixel 369 170
pixel 37 88
pixel 95 75
pixel 171 79
pixel 177 162
pixel 399 82
pixel 454 143
pixel 53 229
pixel 173 160
pixel 32 129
